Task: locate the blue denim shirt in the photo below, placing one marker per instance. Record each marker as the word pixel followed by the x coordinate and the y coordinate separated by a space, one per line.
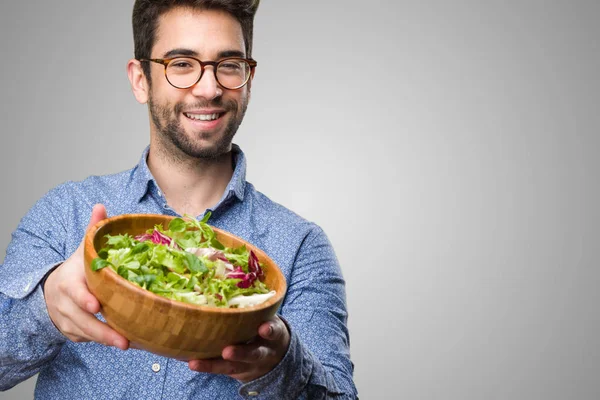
pixel 316 366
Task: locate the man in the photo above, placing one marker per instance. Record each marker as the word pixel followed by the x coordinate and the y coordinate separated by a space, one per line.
pixel 193 68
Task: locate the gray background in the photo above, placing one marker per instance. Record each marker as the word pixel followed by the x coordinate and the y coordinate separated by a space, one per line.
pixel 448 149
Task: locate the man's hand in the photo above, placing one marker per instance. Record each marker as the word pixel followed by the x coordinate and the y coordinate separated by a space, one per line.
pixel 70 304
pixel 250 361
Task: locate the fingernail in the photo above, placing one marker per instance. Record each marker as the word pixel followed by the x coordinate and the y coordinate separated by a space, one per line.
pixel 270 330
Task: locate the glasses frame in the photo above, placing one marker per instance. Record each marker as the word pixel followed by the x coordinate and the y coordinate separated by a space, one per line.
pixel 203 64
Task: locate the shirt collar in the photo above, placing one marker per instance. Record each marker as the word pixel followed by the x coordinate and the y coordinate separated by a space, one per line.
pixel 142 178
pixel 237 184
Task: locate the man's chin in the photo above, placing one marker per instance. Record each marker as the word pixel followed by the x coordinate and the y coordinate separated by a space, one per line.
pixel 205 151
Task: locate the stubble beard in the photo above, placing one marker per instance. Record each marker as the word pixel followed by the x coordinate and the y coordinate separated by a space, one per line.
pixel 171 132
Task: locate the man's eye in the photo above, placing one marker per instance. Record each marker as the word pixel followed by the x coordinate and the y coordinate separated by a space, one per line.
pixel 229 66
pixel 181 64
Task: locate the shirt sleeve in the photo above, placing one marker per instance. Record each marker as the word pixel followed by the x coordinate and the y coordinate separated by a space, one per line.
pixel 317 364
pixel 28 338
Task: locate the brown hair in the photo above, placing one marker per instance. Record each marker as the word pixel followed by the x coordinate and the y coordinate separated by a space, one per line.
pixel 147 12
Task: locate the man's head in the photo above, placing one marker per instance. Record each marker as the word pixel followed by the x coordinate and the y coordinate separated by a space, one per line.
pixel 146 15
pixel 198 121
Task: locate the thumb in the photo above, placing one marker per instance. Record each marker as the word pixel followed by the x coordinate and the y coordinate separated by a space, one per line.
pixel 98 214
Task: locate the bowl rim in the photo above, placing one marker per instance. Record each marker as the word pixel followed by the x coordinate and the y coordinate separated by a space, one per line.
pixel 110 274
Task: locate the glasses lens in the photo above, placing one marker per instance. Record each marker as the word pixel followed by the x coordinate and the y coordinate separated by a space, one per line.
pixel 232 73
pixel 183 72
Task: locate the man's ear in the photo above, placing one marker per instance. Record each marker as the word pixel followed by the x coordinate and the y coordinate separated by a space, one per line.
pixel 139 84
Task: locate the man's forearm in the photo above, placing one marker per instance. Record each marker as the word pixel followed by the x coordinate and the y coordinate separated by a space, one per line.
pixel 28 339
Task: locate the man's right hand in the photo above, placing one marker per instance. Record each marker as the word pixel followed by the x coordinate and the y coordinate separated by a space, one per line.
pixel 70 304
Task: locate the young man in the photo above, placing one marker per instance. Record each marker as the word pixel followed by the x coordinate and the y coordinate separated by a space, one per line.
pixel 193 68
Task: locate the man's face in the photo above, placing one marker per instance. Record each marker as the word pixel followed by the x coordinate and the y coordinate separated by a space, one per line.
pixel 208 35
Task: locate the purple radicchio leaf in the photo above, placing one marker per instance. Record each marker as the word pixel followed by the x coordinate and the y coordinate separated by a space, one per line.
pixel 246 279
pixel 143 238
pixel 237 274
pixel 254 266
pixel 160 238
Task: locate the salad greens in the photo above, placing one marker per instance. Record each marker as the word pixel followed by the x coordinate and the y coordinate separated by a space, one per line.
pixel 187 263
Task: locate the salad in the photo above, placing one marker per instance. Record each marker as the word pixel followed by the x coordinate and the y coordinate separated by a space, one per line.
pixel 187 263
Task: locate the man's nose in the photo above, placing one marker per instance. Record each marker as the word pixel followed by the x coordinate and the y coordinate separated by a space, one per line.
pixel 207 87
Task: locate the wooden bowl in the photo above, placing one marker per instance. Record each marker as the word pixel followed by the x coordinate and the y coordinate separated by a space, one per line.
pixel 168 327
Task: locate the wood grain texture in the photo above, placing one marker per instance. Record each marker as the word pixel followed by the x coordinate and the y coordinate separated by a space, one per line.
pixel 167 327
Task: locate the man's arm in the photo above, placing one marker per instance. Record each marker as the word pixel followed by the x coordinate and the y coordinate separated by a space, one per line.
pixel 317 364
pixel 28 338
pixel 31 310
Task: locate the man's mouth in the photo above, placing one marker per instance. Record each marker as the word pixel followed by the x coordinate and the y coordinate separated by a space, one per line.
pixel 204 117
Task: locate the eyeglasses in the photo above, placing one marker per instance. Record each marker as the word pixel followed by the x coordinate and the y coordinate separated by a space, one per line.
pixel 185 72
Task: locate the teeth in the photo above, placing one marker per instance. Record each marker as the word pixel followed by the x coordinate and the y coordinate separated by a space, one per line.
pixel 202 117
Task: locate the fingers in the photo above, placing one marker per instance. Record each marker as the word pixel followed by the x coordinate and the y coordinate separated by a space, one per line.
pixel 273 330
pixel 70 304
pixel 243 362
pixel 233 369
pixel 81 296
pixel 99 332
pixel 71 307
pixel 273 339
pixel 249 354
pixel 80 326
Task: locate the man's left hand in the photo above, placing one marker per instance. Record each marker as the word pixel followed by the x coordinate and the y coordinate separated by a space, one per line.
pixel 250 361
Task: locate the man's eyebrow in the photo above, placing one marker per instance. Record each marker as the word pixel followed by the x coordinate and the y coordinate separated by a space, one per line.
pixel 232 53
pixel 191 53
pixel 180 52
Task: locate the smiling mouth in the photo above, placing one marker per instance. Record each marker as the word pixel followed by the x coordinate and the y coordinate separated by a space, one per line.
pixel 203 117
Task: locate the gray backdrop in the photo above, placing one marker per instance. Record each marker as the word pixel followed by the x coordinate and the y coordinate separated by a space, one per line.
pixel 448 149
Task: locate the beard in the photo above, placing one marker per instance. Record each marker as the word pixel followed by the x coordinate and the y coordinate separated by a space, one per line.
pixel 166 120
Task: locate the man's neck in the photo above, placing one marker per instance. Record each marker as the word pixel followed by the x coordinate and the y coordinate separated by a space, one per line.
pixel 190 186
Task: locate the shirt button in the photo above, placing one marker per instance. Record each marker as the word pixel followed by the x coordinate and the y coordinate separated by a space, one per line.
pixel 253 393
pixel 156 367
